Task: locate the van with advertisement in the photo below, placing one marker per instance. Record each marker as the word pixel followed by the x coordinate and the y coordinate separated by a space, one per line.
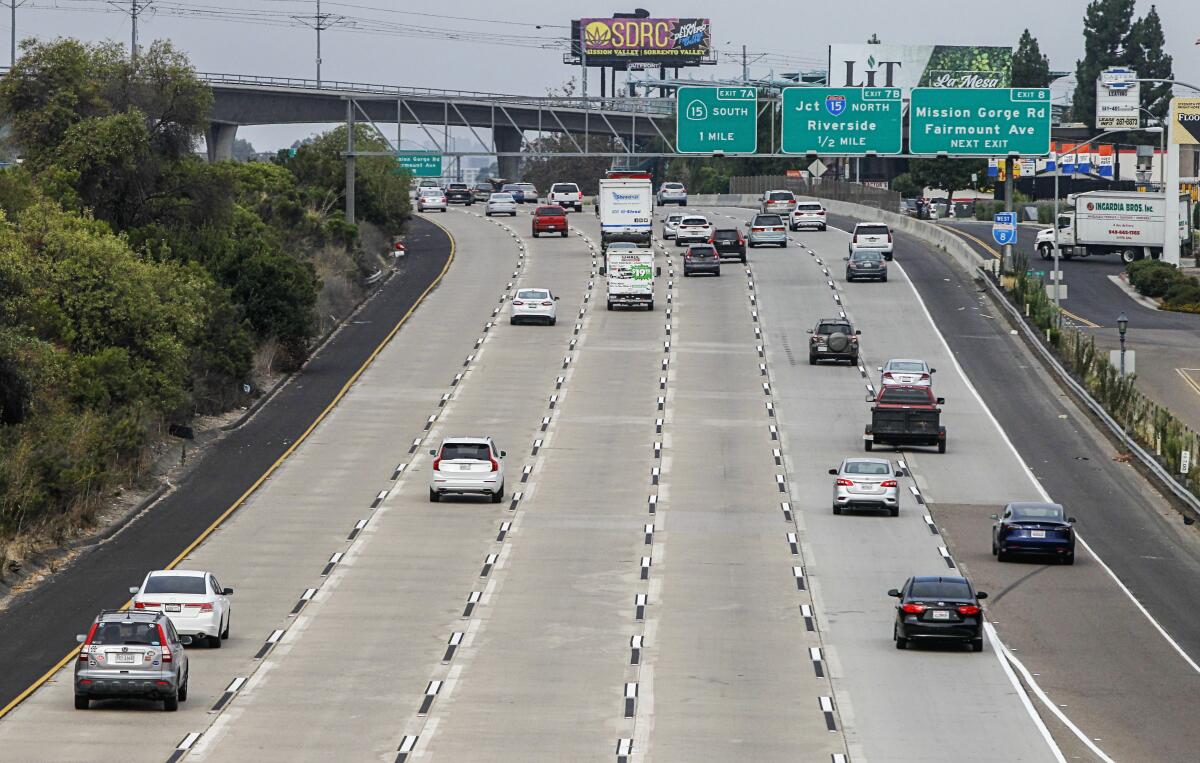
pixel 1127 223
pixel 630 272
pixel 626 208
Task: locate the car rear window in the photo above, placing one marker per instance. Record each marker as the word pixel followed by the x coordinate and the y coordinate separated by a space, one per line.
pixel 940 589
pixel 109 634
pixel 452 451
pixel 867 255
pixel 726 234
pixel 501 197
pixel 526 186
pixel 768 220
pixel 458 186
pixel 901 396
pixel 564 188
pixel 693 221
pixel 867 467
pixel 533 294
pixel 1038 512
pixel 175 584
pixel 550 212
pixel 674 218
pixel 808 207
pixel 703 249
pixel 831 328
pixel 908 366
pixel 781 196
pixel 872 230
pixel 509 187
pixel 672 186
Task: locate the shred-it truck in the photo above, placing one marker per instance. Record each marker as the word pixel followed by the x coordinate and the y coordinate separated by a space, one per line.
pixel 1127 223
pixel 626 208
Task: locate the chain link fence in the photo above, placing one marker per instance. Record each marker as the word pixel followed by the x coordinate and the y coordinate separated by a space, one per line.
pixel 836 190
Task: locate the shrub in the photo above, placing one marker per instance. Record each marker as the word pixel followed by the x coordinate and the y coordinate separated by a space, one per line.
pixel 1152 278
pixel 1185 292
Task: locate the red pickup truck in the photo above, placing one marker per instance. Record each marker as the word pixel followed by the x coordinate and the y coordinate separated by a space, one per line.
pixel 550 219
pixel 905 414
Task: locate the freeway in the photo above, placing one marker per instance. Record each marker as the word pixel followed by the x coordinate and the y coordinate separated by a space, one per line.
pixel 1164 342
pixel 665 577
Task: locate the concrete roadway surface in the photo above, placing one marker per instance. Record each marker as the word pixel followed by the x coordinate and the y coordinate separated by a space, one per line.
pixel 1165 342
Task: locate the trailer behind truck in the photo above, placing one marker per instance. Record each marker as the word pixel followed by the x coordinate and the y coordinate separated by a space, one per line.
pixel 1127 223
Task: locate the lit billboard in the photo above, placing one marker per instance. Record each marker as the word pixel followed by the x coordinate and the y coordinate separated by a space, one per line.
pixel 909 66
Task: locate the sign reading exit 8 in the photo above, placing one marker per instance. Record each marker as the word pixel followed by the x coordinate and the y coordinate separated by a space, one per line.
pixel 711 119
pixel 979 121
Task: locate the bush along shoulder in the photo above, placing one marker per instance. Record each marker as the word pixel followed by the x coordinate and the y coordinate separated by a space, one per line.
pixel 1166 283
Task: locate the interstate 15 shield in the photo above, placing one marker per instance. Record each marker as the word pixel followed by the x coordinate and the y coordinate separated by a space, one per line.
pixel 835 104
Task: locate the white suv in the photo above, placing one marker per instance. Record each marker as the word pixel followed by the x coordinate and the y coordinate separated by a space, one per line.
pixel 808 214
pixel 566 195
pixel 693 229
pixel 876 236
pixel 467 466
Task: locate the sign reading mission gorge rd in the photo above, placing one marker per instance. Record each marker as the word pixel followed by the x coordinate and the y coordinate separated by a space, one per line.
pixel 842 120
pixel 979 121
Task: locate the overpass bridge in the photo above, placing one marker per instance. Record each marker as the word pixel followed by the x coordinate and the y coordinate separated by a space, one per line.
pixel 241 100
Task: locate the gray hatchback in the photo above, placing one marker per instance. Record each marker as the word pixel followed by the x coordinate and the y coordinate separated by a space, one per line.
pixel 131 654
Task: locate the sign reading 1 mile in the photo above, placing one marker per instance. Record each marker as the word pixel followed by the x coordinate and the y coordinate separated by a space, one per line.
pixel 712 119
pixel 852 121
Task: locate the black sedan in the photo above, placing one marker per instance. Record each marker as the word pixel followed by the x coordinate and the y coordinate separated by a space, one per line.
pixel 729 243
pixel 938 608
pixel 701 258
pixel 1037 529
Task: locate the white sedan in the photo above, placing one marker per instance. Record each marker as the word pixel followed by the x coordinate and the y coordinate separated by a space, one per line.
pixel 431 198
pixel 906 371
pixel 534 306
pixel 501 204
pixel 192 600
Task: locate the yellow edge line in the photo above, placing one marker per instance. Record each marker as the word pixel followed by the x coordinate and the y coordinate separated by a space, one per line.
pixel 24 695
pixel 1187 378
pixel 991 250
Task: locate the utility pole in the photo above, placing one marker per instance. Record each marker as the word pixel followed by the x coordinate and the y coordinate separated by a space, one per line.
pixel 745 66
pixel 319 23
pixel 136 9
pixel 13 6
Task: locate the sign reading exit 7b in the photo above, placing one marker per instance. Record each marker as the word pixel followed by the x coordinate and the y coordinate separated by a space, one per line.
pixel 711 119
pixel 853 121
pixel 979 121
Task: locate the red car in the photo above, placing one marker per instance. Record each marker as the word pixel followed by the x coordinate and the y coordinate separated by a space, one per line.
pixel 904 415
pixel 551 219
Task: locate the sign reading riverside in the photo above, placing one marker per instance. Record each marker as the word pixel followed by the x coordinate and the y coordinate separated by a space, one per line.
pixel 842 120
pixel 646 39
pixel 709 119
pixel 979 121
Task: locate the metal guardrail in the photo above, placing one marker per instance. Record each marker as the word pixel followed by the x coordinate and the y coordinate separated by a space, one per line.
pixel 836 190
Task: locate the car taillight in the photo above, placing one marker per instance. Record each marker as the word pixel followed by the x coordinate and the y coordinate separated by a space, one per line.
pixel 912 609
pixel 83 654
pixel 889 237
pixel 924 377
pixel 888 483
pixel 843 482
pixel 756 230
pixel 547 303
pixel 816 339
pixel 494 462
pixel 854 339
pixel 968 609
pixel 145 604
pixel 581 195
pixel 437 463
pixel 821 212
pixel 166 650
pixel 888 375
pixel 518 302
pixel 202 607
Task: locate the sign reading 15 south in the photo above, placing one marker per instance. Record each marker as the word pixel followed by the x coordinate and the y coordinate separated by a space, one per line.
pixel 979 121
pixel 709 119
pixel 842 120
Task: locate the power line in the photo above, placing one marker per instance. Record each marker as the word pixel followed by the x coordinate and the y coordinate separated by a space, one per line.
pixel 136 9
pixel 320 22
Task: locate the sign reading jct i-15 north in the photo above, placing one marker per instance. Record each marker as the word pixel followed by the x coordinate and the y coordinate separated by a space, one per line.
pixel 842 120
pixel 711 119
pixel 979 121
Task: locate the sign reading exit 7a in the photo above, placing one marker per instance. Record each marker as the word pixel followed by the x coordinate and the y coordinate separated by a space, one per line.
pixel 712 119
pixel 979 121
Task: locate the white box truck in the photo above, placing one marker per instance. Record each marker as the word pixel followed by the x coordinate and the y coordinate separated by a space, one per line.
pixel 626 209
pixel 1127 223
pixel 630 275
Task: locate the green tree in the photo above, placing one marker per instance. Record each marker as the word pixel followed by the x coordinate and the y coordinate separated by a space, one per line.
pixel 243 150
pixel 1145 55
pixel 1029 67
pixel 947 174
pixel 1106 24
pixel 906 186
pixel 586 171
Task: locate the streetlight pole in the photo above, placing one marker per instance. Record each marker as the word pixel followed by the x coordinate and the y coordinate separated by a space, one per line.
pixel 1162 147
pixel 1057 175
pixel 1122 327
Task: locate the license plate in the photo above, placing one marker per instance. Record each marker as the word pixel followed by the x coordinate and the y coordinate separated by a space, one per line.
pixel 822 348
pixel 941 615
pixel 1037 533
pixel 464 467
pixel 124 658
pixel 171 608
pixel 549 227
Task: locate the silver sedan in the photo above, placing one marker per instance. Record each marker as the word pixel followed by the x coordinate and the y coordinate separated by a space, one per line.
pixel 906 371
pixel 866 483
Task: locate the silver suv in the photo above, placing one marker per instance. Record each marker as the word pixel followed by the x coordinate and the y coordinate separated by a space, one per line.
pixel 131 654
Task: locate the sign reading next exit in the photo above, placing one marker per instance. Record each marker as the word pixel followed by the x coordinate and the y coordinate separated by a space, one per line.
pixel 842 120
pixel 979 121
pixel 421 164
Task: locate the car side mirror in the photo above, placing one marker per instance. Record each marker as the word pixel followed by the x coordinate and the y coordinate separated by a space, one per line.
pixel 996 517
pixel 433 452
pixel 870 398
pixel 847 259
pixel 227 592
pixel 134 589
pixel 808 331
pixel 879 369
pixel 941 401
pixel 556 299
pixel 857 332
pixel 981 594
pixel 80 638
pixel 1071 520
pixel 658 270
pixel 894 593
pixel 503 453
pixel 185 640
pixel 833 471
pixel 933 370
pixel 898 473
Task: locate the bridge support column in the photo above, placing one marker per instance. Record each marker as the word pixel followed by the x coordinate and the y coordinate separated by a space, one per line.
pixel 508 139
pixel 220 139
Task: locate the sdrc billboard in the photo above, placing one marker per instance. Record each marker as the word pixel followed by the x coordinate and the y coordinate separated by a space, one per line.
pixel 646 39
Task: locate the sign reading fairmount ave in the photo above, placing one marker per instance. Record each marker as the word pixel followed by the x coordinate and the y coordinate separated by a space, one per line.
pixel 842 120
pixel 421 164
pixel 979 121
pixel 711 119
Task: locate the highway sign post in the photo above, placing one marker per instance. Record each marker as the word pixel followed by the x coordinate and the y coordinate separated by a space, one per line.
pixel 1004 228
pixel 979 121
pixel 853 121
pixel 712 120
pixel 421 164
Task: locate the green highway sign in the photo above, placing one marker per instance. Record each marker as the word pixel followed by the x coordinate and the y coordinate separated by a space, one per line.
pixel 421 164
pixel 964 121
pixel 711 119
pixel 842 120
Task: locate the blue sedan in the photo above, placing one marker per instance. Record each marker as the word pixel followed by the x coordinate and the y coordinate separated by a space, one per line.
pixel 1041 529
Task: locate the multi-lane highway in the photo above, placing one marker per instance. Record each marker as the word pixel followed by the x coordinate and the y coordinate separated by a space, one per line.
pixel 665 579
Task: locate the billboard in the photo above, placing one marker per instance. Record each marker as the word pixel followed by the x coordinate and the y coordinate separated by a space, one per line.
pixel 909 66
pixel 1185 121
pixel 661 40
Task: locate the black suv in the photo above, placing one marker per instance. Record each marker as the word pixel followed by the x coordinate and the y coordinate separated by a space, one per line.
pixel 833 339
pixel 459 192
pixel 729 243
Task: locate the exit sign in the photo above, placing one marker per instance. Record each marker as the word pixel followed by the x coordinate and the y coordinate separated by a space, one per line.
pixel 970 121
pixel 712 119
pixel 421 164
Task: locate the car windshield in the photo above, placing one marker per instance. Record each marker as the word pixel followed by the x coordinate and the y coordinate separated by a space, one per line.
pixel 475 451
pixel 906 366
pixel 832 328
pixel 940 589
pixel 871 230
pixel 693 221
pixel 501 197
pixel 867 467
pixel 902 396
pixel 174 584
pixel 726 234
pixel 1048 512
pixel 768 220
pixel 111 634
pixel 564 188
pixel 781 196
pixel 533 294
pixel 550 212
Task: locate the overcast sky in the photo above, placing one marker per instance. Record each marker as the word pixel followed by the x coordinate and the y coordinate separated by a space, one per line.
pixel 405 43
